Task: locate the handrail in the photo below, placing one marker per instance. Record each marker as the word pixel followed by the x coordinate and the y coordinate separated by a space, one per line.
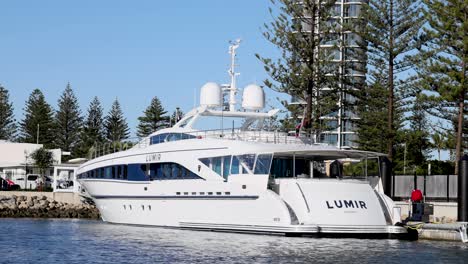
pixel 274 137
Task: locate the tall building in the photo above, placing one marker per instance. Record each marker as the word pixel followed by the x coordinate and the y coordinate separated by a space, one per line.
pixel 351 64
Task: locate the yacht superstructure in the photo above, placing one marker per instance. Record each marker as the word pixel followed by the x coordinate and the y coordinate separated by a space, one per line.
pixel 244 179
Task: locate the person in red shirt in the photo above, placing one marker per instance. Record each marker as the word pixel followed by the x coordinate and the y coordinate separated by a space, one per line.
pixel 417 196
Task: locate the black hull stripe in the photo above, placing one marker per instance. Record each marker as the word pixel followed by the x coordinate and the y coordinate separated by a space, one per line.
pixel 178 197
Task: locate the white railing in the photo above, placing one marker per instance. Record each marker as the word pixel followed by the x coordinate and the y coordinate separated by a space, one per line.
pixel 272 137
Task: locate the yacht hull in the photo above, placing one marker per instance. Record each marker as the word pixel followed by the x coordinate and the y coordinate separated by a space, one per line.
pixel 288 213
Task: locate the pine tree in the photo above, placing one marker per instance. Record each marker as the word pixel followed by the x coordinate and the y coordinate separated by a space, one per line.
pixel 443 63
pixel 7 121
pixel 38 122
pixel 417 136
pixel 68 122
pixel 116 127
pixel 371 127
pixel 154 118
pixel 93 128
pixel 305 69
pixel 388 31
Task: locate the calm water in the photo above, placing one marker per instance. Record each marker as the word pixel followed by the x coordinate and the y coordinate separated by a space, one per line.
pixel 82 241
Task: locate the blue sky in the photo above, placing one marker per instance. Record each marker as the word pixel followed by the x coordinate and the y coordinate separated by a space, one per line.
pixel 130 50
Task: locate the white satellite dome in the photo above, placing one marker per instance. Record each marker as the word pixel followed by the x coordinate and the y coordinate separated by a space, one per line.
pixel 211 95
pixel 253 97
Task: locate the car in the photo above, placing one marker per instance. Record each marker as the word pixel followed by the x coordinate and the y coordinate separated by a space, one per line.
pixel 8 185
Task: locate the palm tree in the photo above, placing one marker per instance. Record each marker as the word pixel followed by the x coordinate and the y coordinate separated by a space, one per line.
pixel 439 142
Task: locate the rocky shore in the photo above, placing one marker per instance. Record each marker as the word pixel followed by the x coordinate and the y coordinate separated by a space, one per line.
pixel 43 207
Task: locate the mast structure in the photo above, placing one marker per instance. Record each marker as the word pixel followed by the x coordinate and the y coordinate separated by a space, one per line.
pixel 232 88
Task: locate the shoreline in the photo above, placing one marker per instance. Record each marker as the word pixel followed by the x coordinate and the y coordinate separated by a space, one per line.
pixel 44 207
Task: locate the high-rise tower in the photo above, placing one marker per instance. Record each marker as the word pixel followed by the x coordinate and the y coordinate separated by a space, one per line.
pixel 350 61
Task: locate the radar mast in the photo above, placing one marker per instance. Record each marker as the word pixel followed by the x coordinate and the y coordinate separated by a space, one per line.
pixel 232 88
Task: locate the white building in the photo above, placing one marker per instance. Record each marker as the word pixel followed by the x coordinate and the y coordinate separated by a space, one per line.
pixel 17 165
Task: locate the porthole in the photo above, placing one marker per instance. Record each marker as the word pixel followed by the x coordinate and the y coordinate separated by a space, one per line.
pixel 219 193
pixel 227 193
pixel 149 207
pixel 142 207
pixel 185 193
pixel 210 193
pixel 146 188
pixel 244 186
pixel 125 207
pixel 194 193
pixel 202 193
pixel 177 193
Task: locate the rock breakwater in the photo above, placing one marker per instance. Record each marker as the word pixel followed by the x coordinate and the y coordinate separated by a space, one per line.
pixel 43 207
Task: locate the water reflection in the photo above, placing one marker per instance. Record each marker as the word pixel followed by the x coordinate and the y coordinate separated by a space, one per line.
pixel 81 241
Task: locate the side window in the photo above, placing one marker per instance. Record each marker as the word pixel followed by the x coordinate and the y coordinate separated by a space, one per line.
pixel 175 171
pixel 221 165
pixel 125 171
pixel 167 137
pixel 158 139
pixel 119 172
pixel 216 165
pixel 187 136
pixel 248 160
pixel 262 166
pixel 137 172
pixel 170 171
pixel 226 166
pixel 243 164
pixel 235 165
pixel 206 161
pixel 107 172
pixel 166 171
pixel 173 137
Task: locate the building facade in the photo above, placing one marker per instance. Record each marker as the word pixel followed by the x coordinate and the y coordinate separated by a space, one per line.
pixel 17 166
pixel 350 60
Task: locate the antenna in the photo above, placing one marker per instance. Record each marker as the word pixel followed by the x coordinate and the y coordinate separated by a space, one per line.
pixel 232 87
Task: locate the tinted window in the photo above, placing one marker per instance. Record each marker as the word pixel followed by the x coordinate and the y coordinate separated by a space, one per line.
pixel 187 136
pixel 173 137
pixel 235 165
pixel 136 172
pixel 226 166
pixel 262 166
pixel 216 165
pixel 167 137
pixel 248 160
pixel 158 139
pixel 119 172
pixel 282 168
pixel 108 172
pixel 169 170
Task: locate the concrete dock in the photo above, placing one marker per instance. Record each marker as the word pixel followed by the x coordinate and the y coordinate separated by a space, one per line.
pixel 449 232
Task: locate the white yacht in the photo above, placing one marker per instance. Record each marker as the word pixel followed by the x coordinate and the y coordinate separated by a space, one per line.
pixel 244 179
